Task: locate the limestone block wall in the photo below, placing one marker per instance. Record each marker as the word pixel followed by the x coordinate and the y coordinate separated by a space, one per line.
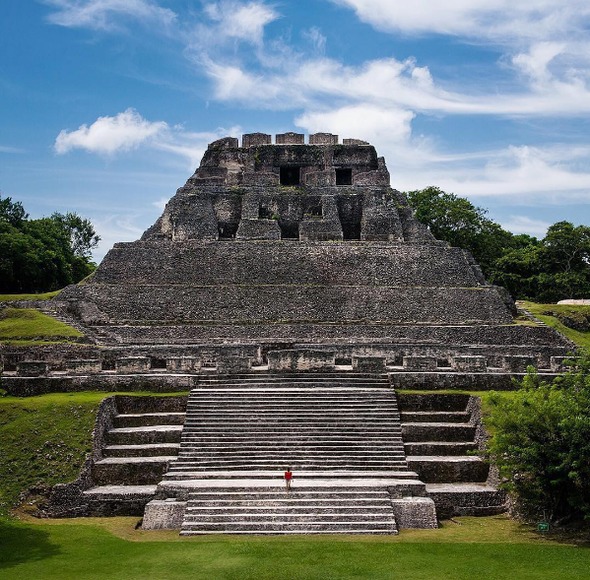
pixel 353 263
pixel 262 303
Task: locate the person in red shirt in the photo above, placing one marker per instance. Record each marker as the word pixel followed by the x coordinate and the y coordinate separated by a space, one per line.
pixel 288 478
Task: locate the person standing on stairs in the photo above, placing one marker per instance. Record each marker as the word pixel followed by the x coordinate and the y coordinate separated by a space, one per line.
pixel 288 478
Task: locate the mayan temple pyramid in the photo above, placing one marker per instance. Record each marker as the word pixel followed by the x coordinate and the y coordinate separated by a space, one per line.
pixel 302 256
pixel 290 289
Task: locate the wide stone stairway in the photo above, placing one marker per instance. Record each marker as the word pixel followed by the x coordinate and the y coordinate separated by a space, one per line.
pixel 339 434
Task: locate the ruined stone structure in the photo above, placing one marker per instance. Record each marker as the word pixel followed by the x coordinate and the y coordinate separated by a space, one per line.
pixel 289 284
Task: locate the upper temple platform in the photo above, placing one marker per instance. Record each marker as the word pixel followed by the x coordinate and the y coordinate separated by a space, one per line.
pixel 320 191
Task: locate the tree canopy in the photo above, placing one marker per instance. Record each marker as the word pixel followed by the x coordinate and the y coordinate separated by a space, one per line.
pixel 39 255
pixel 547 270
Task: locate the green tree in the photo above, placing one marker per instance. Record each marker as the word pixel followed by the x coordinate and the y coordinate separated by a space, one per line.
pixel 541 443
pixel 12 212
pixel 43 254
pixel 457 221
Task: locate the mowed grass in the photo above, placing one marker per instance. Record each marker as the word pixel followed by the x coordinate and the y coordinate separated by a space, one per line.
pixel 540 311
pixel 27 325
pixel 470 548
pixel 43 296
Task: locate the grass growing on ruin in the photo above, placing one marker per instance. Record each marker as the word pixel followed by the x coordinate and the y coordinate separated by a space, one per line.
pixel 486 548
pixel 541 311
pixel 43 296
pixel 26 324
pixel 43 440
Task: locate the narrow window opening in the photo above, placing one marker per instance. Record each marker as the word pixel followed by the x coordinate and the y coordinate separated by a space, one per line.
pixel 343 176
pixel 290 175
pixel 289 230
pixel 158 363
pixel 227 231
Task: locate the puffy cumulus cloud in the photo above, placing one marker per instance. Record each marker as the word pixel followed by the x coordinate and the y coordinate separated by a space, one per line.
pixel 105 14
pixel 129 130
pixel 495 20
pixel 236 20
pixel 107 135
pixel 369 122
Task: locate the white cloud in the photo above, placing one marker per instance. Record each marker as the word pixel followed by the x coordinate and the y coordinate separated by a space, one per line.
pixel 315 38
pixel 129 130
pixel 104 14
pixel 9 149
pixel 361 121
pixel 236 20
pixel 495 20
pixel 108 135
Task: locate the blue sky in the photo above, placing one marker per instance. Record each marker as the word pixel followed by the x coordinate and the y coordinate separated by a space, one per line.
pixel 106 106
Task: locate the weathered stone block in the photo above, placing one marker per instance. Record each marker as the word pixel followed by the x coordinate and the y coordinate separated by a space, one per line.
pixel 80 366
pixel 186 364
pixel 256 139
pixel 32 368
pixel 258 230
pixel 517 363
pixel 469 364
pixel 319 230
pixel 323 139
pixel 368 364
pixel 233 364
pixel 163 514
pixel 354 142
pixel 132 364
pixel 290 139
pixel 419 363
pixel 267 178
pixel 225 143
pixel 414 512
pixel 300 360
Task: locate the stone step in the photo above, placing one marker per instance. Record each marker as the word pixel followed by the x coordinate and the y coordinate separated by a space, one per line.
pixel 279 528
pixel 286 425
pixel 130 470
pixel 312 447
pixel 118 500
pixel 390 477
pixel 435 416
pixel 466 499
pixel 198 517
pixel 148 419
pixel 240 452
pixel 433 402
pixel 299 463
pixel 144 435
pixel 437 432
pixel 145 450
pixel 449 469
pixel 439 448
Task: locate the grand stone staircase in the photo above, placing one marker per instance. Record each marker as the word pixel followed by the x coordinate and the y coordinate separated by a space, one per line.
pixel 442 437
pixel 340 435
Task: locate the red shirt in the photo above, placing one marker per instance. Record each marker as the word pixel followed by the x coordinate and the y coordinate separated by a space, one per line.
pixel 288 475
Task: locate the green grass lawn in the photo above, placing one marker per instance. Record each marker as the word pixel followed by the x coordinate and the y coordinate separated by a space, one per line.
pixel 468 548
pixel 29 326
pixel 43 296
pixel 540 311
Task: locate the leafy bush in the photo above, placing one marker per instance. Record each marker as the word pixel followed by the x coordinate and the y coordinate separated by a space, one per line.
pixel 541 443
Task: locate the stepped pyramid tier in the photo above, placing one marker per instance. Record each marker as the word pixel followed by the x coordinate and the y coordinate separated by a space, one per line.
pixel 293 247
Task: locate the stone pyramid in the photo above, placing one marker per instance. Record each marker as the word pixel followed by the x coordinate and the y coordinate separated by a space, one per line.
pixel 301 256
